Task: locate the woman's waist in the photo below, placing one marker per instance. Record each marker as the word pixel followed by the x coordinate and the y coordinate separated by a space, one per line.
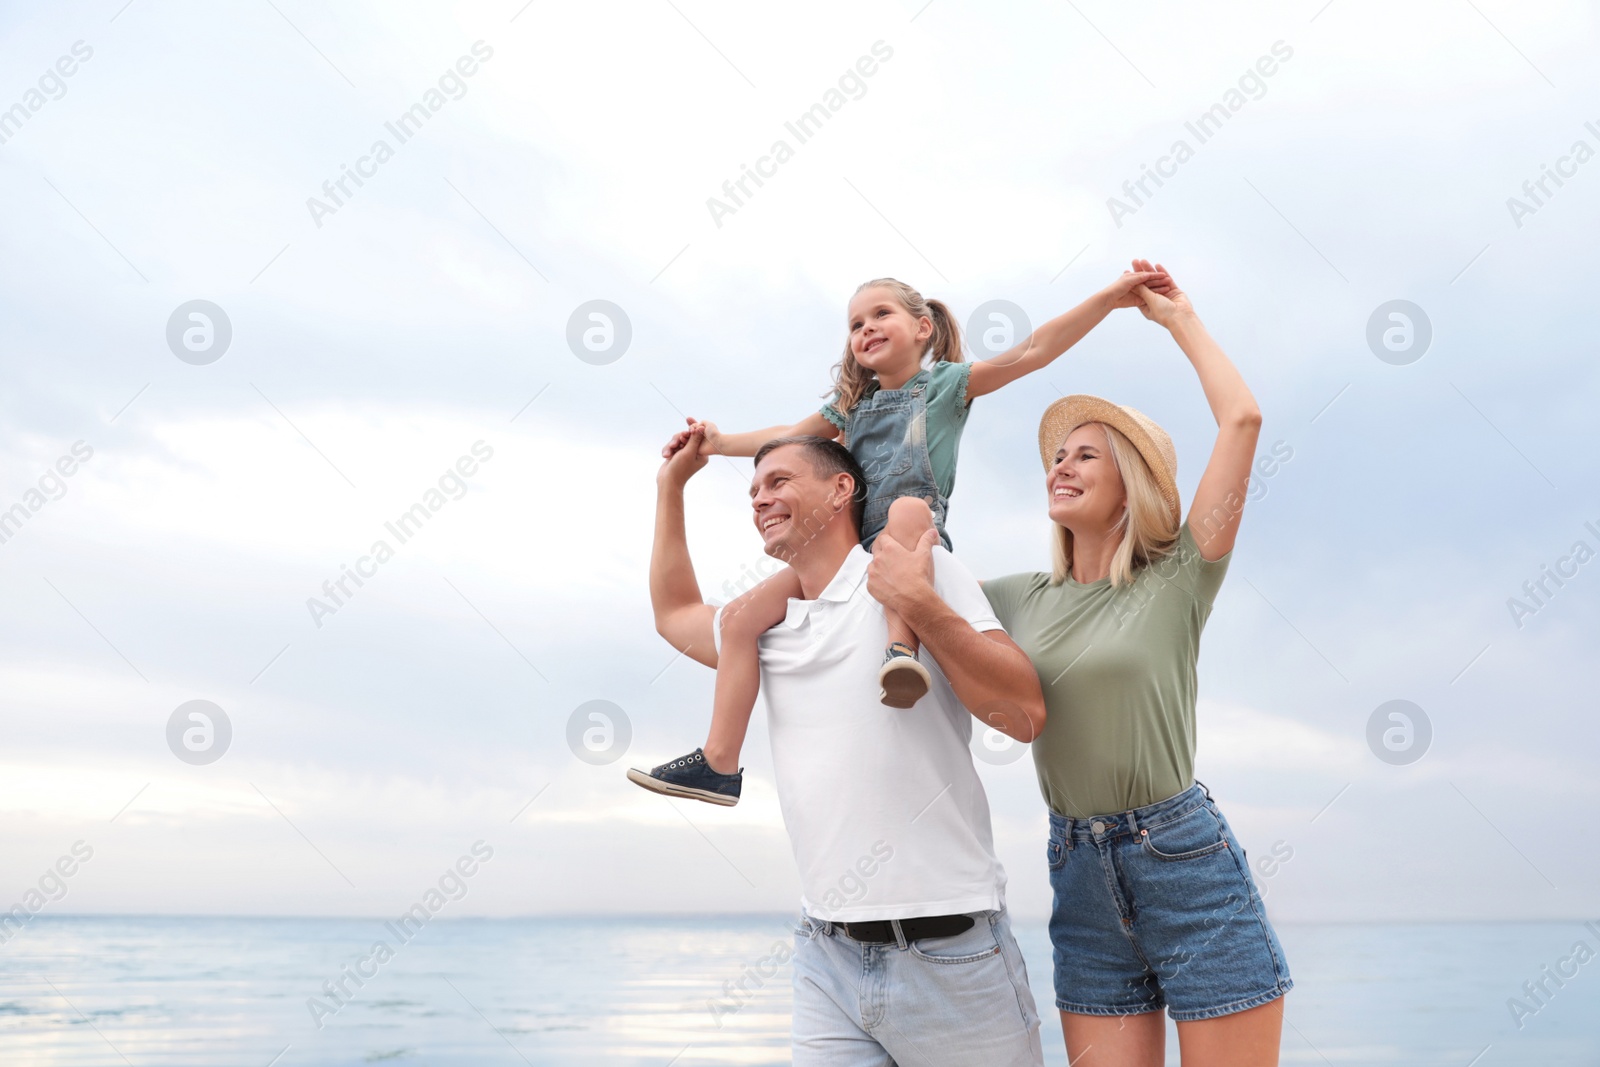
pixel 1130 818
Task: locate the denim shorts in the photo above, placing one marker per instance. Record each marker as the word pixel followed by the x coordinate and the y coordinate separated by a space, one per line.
pixel 1155 908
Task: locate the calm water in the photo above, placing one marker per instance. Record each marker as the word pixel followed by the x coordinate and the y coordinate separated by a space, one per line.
pixel 222 992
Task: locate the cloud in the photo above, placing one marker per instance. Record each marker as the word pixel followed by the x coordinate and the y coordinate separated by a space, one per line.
pixel 433 307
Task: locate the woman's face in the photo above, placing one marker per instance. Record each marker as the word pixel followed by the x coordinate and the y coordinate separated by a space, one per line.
pixel 884 337
pixel 1086 491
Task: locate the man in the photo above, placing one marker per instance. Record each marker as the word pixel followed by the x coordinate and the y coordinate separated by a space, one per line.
pixel 904 953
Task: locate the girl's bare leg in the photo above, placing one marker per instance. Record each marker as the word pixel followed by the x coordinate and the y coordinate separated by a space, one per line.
pixel 904 680
pixel 744 620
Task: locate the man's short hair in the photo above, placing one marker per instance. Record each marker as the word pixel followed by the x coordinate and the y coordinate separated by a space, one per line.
pixel 827 459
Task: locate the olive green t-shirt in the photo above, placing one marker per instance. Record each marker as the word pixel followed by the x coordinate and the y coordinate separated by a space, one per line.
pixel 1118 671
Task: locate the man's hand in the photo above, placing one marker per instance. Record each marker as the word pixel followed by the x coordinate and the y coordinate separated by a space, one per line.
pixel 684 458
pixel 986 670
pixel 710 439
pixel 901 577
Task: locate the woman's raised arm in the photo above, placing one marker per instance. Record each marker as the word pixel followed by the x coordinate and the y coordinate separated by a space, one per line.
pixel 1219 501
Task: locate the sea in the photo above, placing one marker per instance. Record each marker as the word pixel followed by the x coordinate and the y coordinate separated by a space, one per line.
pixel 693 991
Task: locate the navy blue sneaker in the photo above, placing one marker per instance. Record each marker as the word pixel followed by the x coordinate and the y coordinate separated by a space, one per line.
pixel 692 777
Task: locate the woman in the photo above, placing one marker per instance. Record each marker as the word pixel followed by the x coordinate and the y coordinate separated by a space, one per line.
pixel 1154 904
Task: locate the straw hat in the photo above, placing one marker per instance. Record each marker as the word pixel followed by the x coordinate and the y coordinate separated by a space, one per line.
pixel 1151 440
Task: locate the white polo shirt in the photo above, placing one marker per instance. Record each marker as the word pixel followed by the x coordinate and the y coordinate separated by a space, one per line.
pixel 885 811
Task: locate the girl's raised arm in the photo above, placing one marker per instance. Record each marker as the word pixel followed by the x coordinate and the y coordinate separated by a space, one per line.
pixel 1219 500
pixel 717 443
pixel 1040 348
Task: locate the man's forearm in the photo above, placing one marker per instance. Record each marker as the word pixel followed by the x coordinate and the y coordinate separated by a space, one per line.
pixel 995 681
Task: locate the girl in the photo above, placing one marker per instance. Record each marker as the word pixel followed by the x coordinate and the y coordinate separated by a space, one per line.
pixel 901 396
pixel 1154 906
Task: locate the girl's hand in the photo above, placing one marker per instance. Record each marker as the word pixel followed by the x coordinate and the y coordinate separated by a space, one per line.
pixel 711 439
pixel 1168 305
pixel 1120 293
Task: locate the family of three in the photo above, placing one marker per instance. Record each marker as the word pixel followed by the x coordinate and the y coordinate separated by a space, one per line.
pixel 876 650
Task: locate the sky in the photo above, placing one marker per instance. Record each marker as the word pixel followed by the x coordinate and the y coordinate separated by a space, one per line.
pixel 420 337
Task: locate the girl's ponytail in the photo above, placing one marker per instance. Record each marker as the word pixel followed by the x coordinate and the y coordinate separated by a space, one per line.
pixel 945 344
pixel 851 380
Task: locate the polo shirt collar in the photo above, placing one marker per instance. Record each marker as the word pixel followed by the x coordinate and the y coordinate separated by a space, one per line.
pixel 851 576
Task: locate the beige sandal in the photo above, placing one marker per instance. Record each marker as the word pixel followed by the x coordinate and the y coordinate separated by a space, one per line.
pixel 902 679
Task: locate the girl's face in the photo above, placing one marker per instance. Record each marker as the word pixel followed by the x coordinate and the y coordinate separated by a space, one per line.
pixel 884 337
pixel 1086 490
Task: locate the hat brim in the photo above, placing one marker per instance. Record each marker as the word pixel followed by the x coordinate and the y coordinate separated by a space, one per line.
pixel 1071 411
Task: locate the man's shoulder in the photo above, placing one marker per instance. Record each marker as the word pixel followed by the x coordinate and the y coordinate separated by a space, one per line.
pixel 947 569
pixel 958 588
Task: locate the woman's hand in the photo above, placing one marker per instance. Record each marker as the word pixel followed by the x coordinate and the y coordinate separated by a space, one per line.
pixel 1166 305
pixel 1121 293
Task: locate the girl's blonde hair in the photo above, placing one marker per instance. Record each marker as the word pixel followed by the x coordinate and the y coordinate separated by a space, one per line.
pixel 1149 532
pixel 851 379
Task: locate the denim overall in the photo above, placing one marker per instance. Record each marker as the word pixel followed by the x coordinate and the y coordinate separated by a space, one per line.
pixel 888 434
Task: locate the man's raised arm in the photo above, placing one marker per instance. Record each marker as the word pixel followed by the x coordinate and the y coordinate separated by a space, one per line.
pixel 682 617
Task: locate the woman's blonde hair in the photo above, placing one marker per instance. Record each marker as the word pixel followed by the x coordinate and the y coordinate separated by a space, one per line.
pixel 851 379
pixel 1149 531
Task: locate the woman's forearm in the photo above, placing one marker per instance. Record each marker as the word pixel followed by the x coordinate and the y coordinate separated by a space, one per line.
pixel 1232 403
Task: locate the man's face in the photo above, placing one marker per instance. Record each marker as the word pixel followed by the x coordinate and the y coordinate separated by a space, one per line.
pixel 790 503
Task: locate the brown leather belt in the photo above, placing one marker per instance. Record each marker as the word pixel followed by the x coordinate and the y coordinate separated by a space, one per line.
pixel 881 931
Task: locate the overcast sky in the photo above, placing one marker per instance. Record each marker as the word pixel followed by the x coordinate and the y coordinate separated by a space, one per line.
pixel 377 338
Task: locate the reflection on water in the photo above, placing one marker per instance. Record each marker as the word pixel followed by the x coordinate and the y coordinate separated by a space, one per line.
pixel 691 991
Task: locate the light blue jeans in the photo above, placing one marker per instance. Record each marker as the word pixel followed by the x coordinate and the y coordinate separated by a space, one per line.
pixel 958 1001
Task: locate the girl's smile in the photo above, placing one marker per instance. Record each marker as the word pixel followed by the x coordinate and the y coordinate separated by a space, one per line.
pixel 885 338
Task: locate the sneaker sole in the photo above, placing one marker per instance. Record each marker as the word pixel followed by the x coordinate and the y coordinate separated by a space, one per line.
pixel 904 685
pixel 656 785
